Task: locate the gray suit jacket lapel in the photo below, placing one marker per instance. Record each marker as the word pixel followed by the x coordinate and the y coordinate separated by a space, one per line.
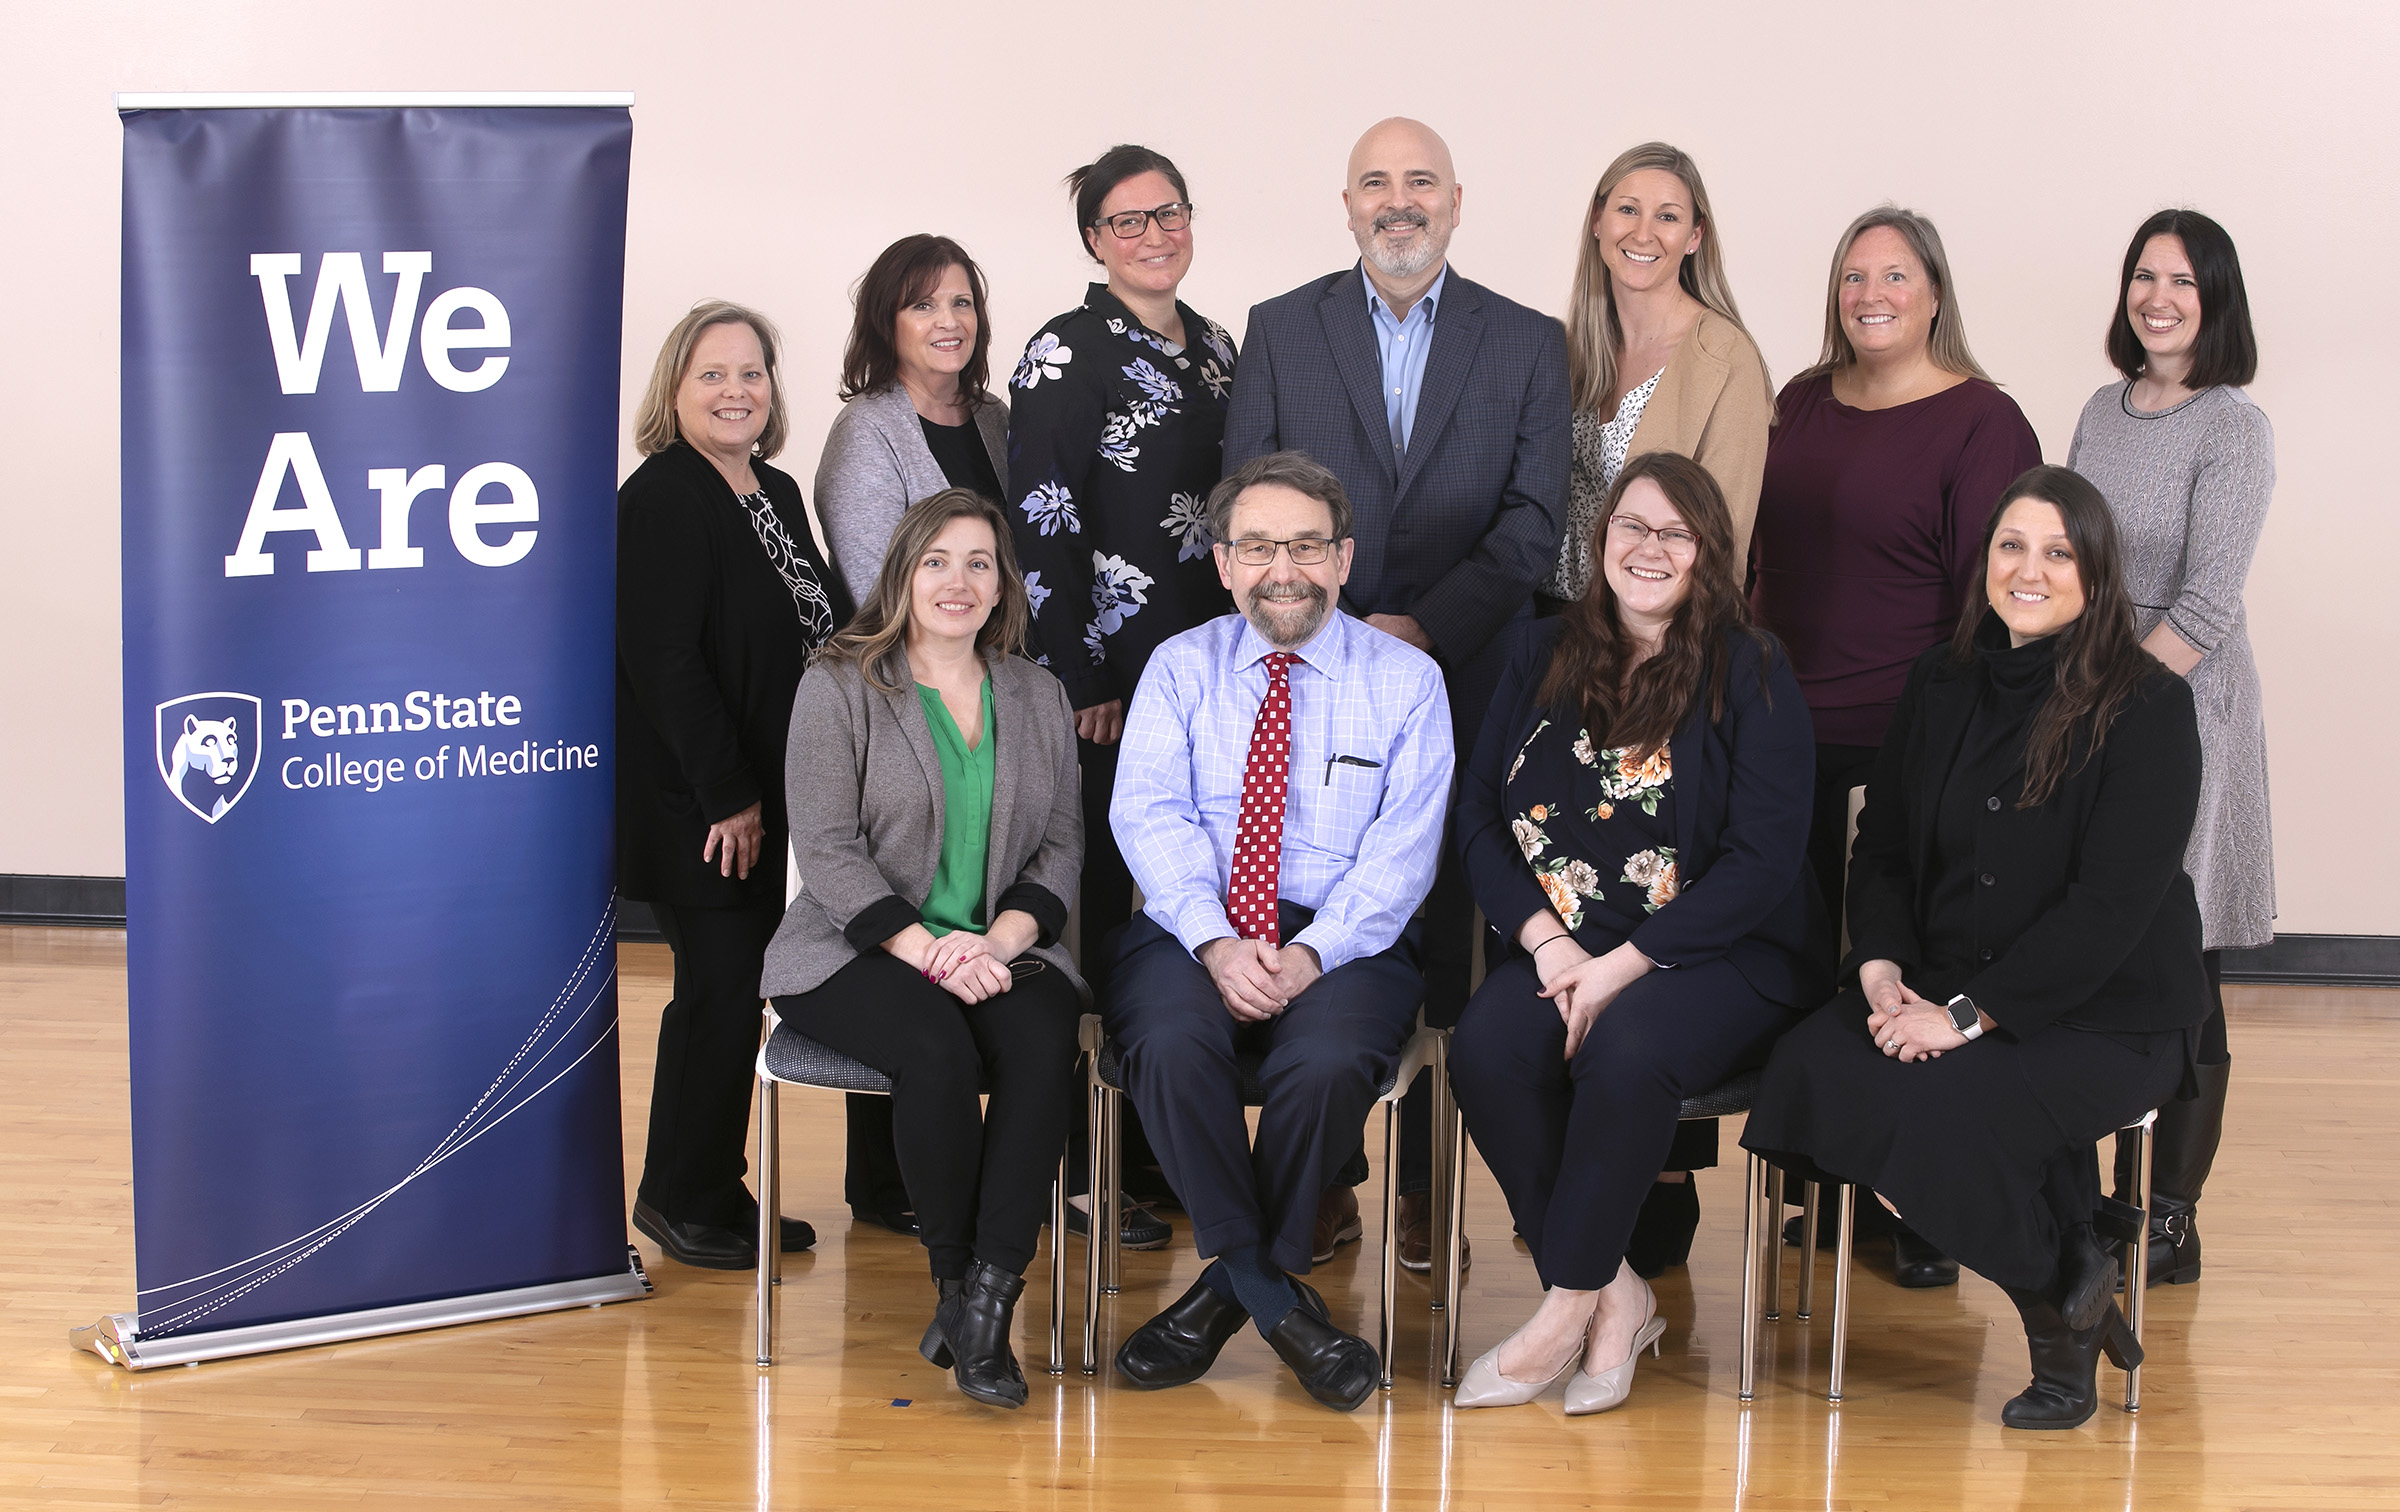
pixel 909 714
pixel 1009 759
pixel 1457 332
pixel 1350 334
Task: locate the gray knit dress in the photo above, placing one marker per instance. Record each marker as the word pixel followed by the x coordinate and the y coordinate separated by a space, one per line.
pixel 2189 487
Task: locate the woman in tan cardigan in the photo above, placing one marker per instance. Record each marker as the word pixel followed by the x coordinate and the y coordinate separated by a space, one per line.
pixel 1657 357
pixel 1657 360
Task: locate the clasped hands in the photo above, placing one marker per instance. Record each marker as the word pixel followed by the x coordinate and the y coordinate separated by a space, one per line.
pixel 1258 980
pixel 1904 1025
pixel 1580 984
pixel 968 966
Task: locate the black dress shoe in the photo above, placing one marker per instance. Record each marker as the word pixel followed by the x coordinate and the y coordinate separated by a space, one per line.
pixel 701 1244
pixel 2066 1362
pixel 897 1222
pixel 798 1233
pixel 974 1324
pixel 1338 1369
pixel 1663 1229
pixel 1137 1227
pixel 1178 1346
pixel 1918 1265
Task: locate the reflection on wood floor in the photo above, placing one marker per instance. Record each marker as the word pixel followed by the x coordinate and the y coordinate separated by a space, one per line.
pixel 2272 1383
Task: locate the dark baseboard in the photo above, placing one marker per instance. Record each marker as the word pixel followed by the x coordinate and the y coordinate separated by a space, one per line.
pixel 99 903
pixel 2313 960
pixel 89 902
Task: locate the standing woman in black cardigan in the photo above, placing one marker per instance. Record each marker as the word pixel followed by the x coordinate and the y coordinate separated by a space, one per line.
pixel 2025 973
pixel 1634 823
pixel 722 598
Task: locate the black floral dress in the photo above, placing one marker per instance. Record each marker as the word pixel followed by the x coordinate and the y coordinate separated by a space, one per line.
pixel 1597 828
pixel 1115 437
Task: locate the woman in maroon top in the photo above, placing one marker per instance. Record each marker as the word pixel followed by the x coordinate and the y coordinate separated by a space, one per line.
pixel 1886 462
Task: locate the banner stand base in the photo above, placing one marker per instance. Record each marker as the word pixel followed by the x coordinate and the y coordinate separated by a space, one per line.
pixel 115 1338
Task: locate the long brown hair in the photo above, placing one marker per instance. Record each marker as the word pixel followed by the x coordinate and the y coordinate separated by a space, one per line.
pixel 1594 336
pixel 874 640
pixel 1946 342
pixel 2100 662
pixel 1587 667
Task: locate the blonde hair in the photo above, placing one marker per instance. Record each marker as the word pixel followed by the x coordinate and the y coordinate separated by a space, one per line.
pixel 873 640
pixel 1947 342
pixel 654 427
pixel 1594 336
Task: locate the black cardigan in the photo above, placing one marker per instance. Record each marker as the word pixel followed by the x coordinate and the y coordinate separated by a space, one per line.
pixel 2083 912
pixel 709 652
pixel 1743 789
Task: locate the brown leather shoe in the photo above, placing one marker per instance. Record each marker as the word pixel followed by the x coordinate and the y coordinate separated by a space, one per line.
pixel 1337 1221
pixel 1416 1234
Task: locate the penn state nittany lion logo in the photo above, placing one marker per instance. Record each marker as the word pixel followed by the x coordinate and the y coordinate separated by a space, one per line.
pixel 208 750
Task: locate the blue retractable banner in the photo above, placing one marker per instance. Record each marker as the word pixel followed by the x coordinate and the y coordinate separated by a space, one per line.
pixel 370 403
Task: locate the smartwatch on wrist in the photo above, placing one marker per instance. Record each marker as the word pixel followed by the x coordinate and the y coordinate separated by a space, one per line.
pixel 1965 1017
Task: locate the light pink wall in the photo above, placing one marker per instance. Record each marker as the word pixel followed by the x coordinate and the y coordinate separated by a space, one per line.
pixel 778 147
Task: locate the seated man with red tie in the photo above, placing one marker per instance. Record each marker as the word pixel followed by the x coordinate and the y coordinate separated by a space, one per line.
pixel 1279 799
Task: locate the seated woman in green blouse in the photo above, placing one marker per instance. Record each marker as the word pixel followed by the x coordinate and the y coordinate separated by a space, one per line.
pixel 938 831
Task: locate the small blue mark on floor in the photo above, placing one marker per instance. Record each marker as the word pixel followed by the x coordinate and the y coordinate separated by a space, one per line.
pixel 900 1401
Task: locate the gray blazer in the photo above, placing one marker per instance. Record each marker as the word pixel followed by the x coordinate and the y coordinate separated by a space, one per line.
pixel 876 464
pixel 865 794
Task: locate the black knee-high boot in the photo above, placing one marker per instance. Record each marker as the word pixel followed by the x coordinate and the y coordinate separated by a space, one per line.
pixel 2066 1362
pixel 2184 1149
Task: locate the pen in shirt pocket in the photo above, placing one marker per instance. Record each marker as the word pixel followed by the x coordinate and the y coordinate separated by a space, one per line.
pixel 1333 761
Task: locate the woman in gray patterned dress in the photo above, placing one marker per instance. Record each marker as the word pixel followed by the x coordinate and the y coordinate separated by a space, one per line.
pixel 2188 465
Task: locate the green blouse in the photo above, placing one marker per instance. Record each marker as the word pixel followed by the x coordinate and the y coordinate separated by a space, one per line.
pixel 956 901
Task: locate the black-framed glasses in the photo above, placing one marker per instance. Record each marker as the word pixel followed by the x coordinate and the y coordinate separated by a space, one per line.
pixel 1634 531
pixel 1125 225
pixel 1307 551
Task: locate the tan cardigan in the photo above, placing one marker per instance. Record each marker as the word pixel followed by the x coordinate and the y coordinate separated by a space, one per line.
pixel 1712 404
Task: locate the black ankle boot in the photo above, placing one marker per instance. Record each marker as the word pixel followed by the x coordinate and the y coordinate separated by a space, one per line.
pixel 2183 1151
pixel 2066 1362
pixel 975 1326
pixel 1663 1229
pixel 933 1346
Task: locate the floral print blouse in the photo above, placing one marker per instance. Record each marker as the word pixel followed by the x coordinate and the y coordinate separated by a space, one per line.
pixel 1596 826
pixel 1115 437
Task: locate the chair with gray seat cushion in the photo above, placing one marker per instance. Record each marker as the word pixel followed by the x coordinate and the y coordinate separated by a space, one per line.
pixel 790 1058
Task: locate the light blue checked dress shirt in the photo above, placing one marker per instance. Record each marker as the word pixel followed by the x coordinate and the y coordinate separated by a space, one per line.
pixel 1368 790
pixel 1404 346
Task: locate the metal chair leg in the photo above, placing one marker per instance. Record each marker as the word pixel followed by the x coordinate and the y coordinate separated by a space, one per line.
pixel 1438 1198
pixel 1455 1270
pixel 1385 1324
pixel 2137 1284
pixel 1808 1244
pixel 770 1206
pixel 1774 1226
pixel 1752 1181
pixel 1111 1225
pixel 1058 1269
pixel 1845 1210
pixel 1093 1092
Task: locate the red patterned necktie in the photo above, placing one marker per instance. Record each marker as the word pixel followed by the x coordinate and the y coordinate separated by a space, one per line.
pixel 1258 837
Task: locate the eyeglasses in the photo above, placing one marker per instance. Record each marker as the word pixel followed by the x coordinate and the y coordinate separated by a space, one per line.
pixel 1307 551
pixel 1128 224
pixel 1633 532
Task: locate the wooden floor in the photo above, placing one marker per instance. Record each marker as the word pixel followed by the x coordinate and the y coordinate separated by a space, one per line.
pixel 2272 1383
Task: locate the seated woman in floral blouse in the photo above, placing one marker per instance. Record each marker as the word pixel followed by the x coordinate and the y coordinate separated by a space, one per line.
pixel 1635 821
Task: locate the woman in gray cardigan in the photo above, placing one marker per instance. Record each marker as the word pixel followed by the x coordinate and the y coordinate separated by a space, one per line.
pixel 2188 465
pixel 938 828
pixel 916 416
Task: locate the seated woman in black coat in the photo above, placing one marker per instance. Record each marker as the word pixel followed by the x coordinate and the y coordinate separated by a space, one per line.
pixel 1635 823
pixel 2025 972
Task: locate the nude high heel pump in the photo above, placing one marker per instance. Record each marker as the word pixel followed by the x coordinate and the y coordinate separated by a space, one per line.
pixel 1597 1393
pixel 1485 1386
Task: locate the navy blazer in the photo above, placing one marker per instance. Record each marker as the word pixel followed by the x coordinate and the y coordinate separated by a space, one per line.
pixel 1744 785
pixel 1459 530
pixel 2084 915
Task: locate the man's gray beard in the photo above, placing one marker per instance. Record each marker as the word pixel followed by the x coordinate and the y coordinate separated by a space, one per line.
pixel 1262 614
pixel 1392 264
